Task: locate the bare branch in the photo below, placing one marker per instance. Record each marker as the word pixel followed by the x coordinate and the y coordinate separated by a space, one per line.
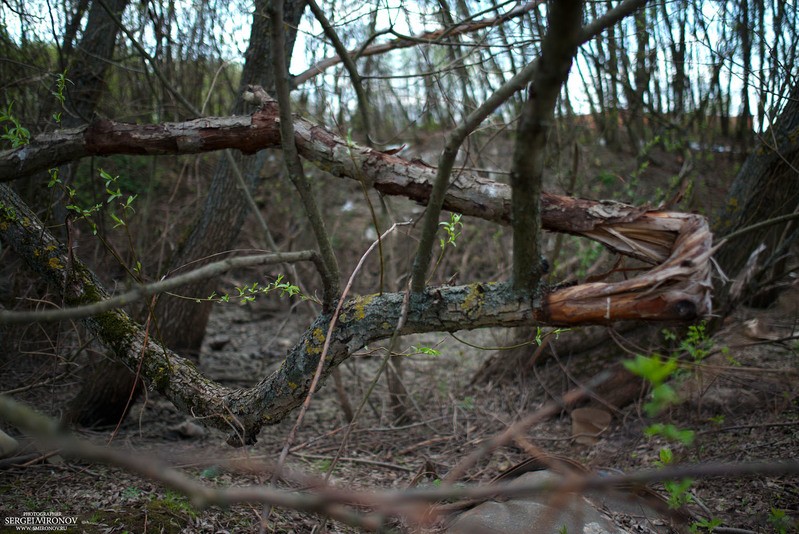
pixel 407 42
pixel 207 271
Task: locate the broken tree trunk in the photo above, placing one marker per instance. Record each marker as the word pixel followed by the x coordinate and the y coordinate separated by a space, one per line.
pixel 677 288
pixel 391 175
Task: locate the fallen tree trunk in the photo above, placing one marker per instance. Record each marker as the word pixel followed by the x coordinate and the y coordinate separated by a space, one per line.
pixel 676 289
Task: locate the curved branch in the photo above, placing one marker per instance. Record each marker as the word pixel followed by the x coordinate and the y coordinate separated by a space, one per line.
pixel 678 289
pixel 207 271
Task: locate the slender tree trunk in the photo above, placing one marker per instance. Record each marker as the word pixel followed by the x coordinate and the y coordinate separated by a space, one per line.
pixel 182 321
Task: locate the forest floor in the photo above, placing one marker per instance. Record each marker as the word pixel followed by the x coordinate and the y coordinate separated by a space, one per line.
pixel 741 400
pixel 740 397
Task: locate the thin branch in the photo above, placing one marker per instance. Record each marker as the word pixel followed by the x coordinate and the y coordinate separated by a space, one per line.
pixel 326 347
pixel 49 431
pixel 330 274
pixel 407 42
pixel 626 8
pixel 757 226
pixel 518 428
pixel 234 165
pixel 349 64
pixel 207 271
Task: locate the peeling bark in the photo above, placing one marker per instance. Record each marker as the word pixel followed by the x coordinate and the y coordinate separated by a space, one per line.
pixel 469 194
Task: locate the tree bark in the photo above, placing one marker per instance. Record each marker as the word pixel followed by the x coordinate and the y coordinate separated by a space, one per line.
pixel 767 186
pixel 87 72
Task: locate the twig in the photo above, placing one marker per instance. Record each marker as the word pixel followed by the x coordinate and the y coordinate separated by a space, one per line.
pixel 516 429
pixel 349 64
pixel 325 349
pixel 403 316
pixel 745 427
pixel 207 271
pixel 757 226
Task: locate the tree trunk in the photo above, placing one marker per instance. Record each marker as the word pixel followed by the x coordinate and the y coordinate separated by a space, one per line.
pixel 87 72
pixel 767 186
pixel 182 322
pixel 100 400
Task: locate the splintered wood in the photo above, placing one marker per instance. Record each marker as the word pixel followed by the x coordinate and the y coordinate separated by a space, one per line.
pixel 678 287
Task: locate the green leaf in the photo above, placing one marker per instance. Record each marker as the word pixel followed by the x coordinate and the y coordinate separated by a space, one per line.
pixel 651 368
pixel 426 350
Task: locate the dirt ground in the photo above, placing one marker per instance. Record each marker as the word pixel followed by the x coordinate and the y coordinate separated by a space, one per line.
pixel 741 400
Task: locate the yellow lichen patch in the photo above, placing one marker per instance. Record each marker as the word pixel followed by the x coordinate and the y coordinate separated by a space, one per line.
pixel 318 335
pixel 314 345
pixel 55 263
pixel 293 386
pixel 474 299
pixel 360 306
pixel 385 326
pixel 312 349
pixel 4 226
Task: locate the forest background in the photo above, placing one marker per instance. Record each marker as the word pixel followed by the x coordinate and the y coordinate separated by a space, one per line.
pixel 139 146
